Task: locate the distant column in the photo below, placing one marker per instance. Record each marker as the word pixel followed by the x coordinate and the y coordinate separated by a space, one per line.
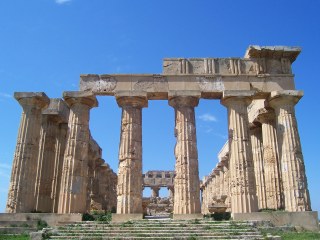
pixel 186 182
pixel 295 187
pixel 73 192
pixel 242 182
pixel 155 191
pixel 129 187
pixel 171 192
pixel 257 156
pixel 22 184
pixel 270 160
pixel 52 117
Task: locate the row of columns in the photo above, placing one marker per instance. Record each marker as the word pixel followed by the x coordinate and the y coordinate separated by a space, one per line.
pixel 50 166
pixel 24 188
pixel 265 161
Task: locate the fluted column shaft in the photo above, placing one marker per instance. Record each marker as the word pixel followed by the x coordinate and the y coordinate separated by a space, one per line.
pixel 21 196
pixel 74 180
pixel 129 188
pixel 257 156
pixel 155 191
pixel 45 166
pixel 60 147
pixel 186 182
pixel 242 181
pixel 270 160
pixel 294 180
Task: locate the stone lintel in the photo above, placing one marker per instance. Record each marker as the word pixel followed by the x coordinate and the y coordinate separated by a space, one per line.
pixel 276 52
pixel 83 97
pixel 38 99
pixel 59 108
pixel 158 87
pixel 292 96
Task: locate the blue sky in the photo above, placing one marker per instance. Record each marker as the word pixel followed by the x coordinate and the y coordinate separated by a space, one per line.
pixel 46 44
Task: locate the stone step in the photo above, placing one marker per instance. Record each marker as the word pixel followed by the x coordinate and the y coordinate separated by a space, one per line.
pixel 30 223
pixel 17 230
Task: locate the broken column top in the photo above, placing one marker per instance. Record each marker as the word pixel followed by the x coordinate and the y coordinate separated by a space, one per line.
pixel 276 52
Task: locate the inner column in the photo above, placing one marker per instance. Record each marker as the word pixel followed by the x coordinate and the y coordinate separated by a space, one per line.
pixel 186 182
pixel 129 187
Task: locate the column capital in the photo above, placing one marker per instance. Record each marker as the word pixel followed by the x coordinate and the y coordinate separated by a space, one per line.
pixel 285 97
pixel 35 99
pixel 265 115
pixel 132 101
pixel 183 101
pixel 233 96
pixel 79 97
pixel 57 110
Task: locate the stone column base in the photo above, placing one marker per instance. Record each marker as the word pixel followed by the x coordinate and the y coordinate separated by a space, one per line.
pixel 307 220
pixel 116 218
pixel 187 216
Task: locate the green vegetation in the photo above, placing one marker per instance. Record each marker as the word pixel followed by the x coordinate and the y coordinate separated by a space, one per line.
pixel 14 237
pixel 105 217
pixel 41 224
pixel 292 235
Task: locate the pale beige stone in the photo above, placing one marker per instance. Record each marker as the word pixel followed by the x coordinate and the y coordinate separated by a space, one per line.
pixel 258 162
pixel 21 196
pixel 74 180
pixel 186 182
pixel 49 161
pixel 271 161
pixel 294 180
pixel 242 180
pixel 129 188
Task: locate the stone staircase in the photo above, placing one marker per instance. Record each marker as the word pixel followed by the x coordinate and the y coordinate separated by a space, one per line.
pixel 157 229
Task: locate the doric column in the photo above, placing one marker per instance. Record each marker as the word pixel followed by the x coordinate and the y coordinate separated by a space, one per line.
pixel 242 180
pixel 294 180
pixel 270 160
pixel 61 142
pixel 171 192
pixel 129 187
pixel 74 180
pixel 155 191
pixel 217 183
pixel 49 151
pixel 257 156
pixel 22 184
pixel 186 182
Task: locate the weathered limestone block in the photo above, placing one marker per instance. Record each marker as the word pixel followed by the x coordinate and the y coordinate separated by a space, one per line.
pixel 242 180
pixel 49 157
pixel 21 196
pixel 259 172
pixel 294 180
pixel 73 192
pixel 186 182
pixel 129 186
pixel 271 160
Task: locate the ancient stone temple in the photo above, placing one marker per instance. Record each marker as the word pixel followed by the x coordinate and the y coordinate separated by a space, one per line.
pixel 58 167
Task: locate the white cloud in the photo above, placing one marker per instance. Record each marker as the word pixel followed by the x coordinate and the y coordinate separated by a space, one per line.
pixel 207 117
pixel 62 1
pixel 5 95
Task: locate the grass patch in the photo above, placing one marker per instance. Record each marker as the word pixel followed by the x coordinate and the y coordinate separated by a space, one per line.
pixel 292 235
pixel 14 237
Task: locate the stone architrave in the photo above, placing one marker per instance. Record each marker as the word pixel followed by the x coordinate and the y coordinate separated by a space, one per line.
pixel 49 152
pixel 129 188
pixel 74 181
pixel 21 196
pixel 270 160
pixel 186 182
pixel 242 180
pixel 294 180
pixel 257 156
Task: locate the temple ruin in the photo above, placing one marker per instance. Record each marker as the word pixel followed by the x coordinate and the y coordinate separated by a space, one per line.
pixel 58 167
